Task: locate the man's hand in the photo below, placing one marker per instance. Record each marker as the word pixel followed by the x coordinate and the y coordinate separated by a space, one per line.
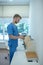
pixel 21 37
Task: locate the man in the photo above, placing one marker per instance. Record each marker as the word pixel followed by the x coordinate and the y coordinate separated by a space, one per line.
pixel 13 35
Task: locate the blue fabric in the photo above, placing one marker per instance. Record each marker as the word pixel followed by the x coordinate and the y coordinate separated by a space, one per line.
pixel 11 51
pixel 12 30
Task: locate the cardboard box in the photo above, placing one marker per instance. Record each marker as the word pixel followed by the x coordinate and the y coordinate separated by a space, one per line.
pixel 32 56
pixel 30 44
pixel 27 39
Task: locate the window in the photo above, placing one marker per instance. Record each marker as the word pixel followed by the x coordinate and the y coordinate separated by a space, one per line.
pixel 23 27
pixel 1 29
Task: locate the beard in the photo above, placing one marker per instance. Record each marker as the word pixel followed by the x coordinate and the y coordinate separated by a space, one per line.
pixel 15 22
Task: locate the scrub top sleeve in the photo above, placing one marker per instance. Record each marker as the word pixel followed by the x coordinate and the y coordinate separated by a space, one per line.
pixel 9 30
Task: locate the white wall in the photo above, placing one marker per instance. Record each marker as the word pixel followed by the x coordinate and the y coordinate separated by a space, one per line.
pixel 9 11
pixel 36 29
pixel 1 10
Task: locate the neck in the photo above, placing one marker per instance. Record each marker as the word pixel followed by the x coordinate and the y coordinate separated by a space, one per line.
pixel 13 22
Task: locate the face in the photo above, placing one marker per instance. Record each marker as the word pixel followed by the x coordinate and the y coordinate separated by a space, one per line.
pixel 16 20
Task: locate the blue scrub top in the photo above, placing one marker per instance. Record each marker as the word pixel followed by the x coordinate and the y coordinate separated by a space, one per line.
pixel 12 30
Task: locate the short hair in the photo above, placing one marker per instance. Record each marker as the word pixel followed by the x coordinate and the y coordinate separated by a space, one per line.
pixel 17 15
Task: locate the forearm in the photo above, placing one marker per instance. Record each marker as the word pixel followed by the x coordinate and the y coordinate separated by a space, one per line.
pixel 13 37
pixel 16 37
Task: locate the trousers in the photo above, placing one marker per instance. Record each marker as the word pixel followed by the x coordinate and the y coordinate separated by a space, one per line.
pixel 12 50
